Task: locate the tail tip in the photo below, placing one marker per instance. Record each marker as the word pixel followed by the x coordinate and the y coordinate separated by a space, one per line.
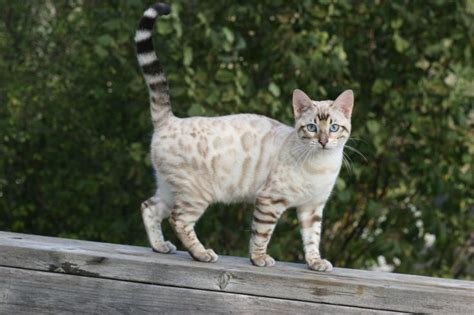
pixel 162 8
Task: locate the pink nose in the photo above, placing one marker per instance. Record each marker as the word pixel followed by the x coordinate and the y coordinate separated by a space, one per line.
pixel 323 142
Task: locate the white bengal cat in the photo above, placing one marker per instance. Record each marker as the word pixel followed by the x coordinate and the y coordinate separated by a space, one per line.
pixel 246 157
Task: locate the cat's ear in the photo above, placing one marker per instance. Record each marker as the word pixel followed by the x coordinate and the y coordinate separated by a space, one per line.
pixel 344 103
pixel 301 103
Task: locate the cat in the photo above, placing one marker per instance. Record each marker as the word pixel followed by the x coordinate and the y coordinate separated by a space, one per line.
pixel 244 157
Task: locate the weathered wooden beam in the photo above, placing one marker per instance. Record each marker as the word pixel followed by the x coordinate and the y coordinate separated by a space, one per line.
pixel 356 290
pixel 34 292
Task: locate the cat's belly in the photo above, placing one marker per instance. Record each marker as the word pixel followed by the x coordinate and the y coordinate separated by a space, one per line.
pixel 240 180
pixel 224 178
pixel 231 176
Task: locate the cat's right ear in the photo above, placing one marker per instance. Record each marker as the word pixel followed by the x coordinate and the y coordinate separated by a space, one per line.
pixel 301 103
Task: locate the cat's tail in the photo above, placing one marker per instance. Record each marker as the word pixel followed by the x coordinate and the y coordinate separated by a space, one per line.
pixel 152 69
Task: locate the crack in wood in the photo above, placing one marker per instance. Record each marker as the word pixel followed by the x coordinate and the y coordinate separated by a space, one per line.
pixel 72 269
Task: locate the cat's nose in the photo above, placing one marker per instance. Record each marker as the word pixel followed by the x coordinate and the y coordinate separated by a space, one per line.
pixel 323 142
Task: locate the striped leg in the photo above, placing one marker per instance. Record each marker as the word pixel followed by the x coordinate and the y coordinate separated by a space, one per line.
pixel 265 218
pixel 183 218
pixel 310 223
pixel 153 213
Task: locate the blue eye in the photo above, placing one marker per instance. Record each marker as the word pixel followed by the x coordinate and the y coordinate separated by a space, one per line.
pixel 334 128
pixel 312 127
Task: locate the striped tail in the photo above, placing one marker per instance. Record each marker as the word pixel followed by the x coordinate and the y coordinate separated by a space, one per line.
pixel 160 105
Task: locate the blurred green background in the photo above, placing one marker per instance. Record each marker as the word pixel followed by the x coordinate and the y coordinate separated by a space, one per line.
pixel 75 125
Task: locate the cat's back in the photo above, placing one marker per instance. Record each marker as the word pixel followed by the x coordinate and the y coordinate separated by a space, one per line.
pixel 215 133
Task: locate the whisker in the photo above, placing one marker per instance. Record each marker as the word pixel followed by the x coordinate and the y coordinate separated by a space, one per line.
pixel 347 155
pixel 308 155
pixel 357 139
pixel 356 151
pixel 296 152
pixel 346 160
pixel 304 156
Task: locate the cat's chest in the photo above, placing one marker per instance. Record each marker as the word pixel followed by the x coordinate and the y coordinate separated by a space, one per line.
pixel 320 170
pixel 312 182
pixel 317 181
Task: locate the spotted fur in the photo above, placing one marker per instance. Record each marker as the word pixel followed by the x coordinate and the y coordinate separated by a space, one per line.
pixel 246 157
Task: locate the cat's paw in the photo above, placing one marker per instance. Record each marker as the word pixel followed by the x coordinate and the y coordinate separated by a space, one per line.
pixel 206 256
pixel 263 260
pixel 164 248
pixel 320 265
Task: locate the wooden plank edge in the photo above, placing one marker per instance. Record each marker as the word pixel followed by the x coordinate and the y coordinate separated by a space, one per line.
pixel 24 291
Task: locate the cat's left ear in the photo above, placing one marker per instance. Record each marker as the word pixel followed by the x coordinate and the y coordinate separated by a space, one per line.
pixel 344 103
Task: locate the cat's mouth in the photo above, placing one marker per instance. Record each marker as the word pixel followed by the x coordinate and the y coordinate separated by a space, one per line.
pixel 322 146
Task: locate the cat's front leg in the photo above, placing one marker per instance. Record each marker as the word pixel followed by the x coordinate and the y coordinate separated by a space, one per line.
pixel 265 217
pixel 310 223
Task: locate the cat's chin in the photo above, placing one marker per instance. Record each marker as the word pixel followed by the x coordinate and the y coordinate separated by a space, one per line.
pixel 316 147
pixel 326 148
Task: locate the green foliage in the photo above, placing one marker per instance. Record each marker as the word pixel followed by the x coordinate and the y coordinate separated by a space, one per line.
pixel 75 125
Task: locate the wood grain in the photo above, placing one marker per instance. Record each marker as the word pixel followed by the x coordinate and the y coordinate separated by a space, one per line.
pixel 286 281
pixel 34 292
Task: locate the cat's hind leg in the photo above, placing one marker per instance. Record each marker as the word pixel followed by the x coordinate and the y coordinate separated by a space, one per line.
pixel 183 218
pixel 153 212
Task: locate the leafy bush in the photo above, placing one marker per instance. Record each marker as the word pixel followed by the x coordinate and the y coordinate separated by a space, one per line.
pixel 75 124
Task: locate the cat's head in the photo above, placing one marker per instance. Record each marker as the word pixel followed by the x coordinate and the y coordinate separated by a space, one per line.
pixel 323 124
